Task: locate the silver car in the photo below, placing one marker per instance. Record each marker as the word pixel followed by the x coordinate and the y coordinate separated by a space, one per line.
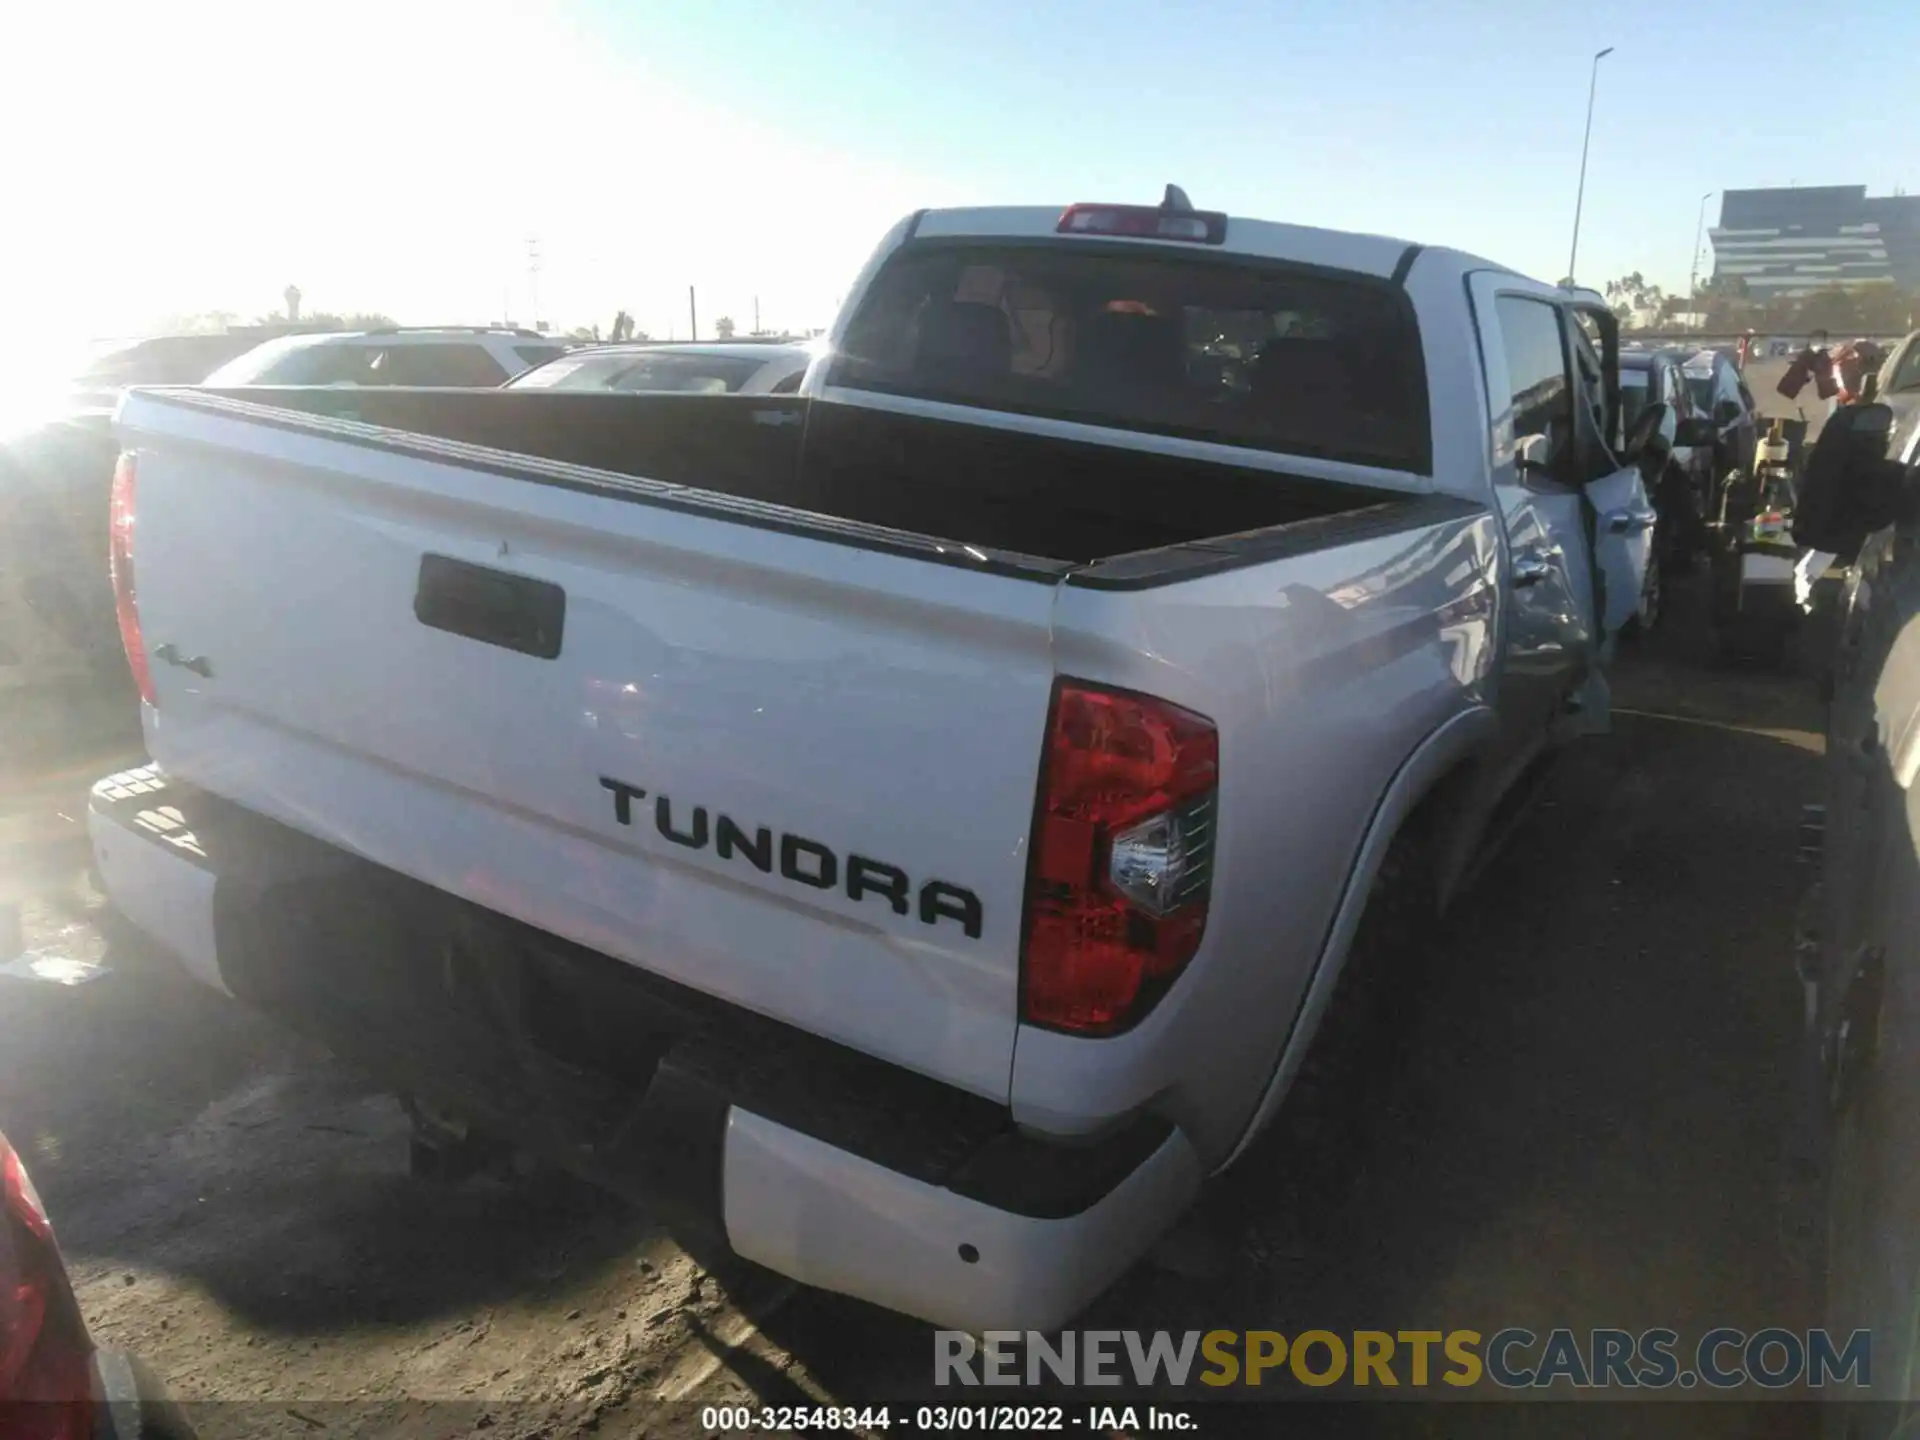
pixel 746 368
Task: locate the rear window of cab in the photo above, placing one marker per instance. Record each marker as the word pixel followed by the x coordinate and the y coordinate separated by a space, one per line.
pixel 1238 352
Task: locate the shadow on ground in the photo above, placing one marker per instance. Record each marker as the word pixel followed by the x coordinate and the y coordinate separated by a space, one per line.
pixel 172 1131
pixel 1580 1123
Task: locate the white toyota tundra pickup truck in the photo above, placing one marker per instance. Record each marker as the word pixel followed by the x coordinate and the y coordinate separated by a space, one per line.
pixel 913 826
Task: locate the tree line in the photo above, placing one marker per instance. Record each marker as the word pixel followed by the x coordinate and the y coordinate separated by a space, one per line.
pixel 220 322
pixel 1726 303
pixel 622 331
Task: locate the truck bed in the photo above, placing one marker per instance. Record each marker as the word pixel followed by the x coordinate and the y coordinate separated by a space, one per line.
pixel 996 489
pixel 650 675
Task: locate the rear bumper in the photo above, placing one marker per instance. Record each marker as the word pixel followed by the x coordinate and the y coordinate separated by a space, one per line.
pixel 823 1164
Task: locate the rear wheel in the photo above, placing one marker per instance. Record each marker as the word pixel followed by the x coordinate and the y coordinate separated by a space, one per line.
pixel 1275 1203
pixel 1652 593
pixel 1350 1063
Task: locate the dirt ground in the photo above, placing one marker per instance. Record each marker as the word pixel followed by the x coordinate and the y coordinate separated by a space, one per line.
pixel 1583 1128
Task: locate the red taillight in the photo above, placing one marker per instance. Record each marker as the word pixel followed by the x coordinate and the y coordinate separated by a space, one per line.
pixel 1144 222
pixel 46 1388
pixel 120 519
pixel 1122 857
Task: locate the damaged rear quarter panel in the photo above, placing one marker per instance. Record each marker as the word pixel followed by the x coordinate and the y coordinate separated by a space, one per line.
pixel 1323 672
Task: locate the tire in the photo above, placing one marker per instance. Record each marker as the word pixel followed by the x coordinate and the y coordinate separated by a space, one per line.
pixel 1646 617
pixel 1682 534
pixel 1278 1201
pixel 1349 1067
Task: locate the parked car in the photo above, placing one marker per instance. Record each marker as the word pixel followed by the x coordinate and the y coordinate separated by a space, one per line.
pixel 912 828
pixel 173 360
pixel 1684 492
pixel 1861 955
pixel 57 627
pixel 55 1384
pixel 438 355
pixel 1718 391
pixel 708 369
pixel 1898 388
pixel 56 463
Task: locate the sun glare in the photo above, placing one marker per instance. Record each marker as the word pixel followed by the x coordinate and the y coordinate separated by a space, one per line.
pixel 224 151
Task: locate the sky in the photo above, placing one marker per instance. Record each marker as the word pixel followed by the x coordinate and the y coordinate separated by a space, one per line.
pixel 162 159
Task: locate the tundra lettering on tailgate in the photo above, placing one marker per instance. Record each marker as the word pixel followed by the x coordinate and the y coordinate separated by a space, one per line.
pixel 804 862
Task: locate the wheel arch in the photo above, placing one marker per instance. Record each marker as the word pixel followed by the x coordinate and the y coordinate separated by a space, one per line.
pixel 1438 788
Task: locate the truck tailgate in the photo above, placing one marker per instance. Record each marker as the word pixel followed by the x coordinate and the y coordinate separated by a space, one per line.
pixel 795 774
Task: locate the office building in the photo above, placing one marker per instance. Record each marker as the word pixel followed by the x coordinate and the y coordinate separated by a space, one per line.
pixel 1786 242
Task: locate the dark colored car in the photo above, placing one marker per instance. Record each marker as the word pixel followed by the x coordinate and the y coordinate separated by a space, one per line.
pixel 1714 383
pixel 54 1383
pixel 57 624
pixel 1684 492
pixel 161 360
pixel 57 621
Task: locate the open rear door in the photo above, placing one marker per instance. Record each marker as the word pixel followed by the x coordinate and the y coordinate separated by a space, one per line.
pixel 1623 514
pixel 1623 542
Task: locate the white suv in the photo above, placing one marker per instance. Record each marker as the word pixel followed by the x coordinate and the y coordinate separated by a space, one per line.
pixel 432 355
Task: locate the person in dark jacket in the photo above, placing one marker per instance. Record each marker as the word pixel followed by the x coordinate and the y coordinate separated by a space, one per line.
pixel 1854 363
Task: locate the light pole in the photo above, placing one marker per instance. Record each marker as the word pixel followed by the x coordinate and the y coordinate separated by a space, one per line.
pixel 1580 195
pixel 533 280
pixel 1693 279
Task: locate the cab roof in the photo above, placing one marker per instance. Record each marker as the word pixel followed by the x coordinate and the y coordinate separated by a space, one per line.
pixel 1379 255
pixel 1369 254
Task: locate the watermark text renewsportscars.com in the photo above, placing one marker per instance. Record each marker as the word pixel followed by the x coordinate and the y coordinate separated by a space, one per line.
pixel 1723 1358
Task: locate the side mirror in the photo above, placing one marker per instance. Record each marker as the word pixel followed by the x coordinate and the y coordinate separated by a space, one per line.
pixel 1651 439
pixel 1726 412
pixel 1532 455
pixel 1850 488
pixel 1695 431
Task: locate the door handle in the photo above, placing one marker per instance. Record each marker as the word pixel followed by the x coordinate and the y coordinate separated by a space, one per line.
pixel 1631 521
pixel 495 607
pixel 169 654
pixel 1532 566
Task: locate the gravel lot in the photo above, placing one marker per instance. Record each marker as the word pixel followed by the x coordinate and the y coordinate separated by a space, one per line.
pixel 1580 1127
